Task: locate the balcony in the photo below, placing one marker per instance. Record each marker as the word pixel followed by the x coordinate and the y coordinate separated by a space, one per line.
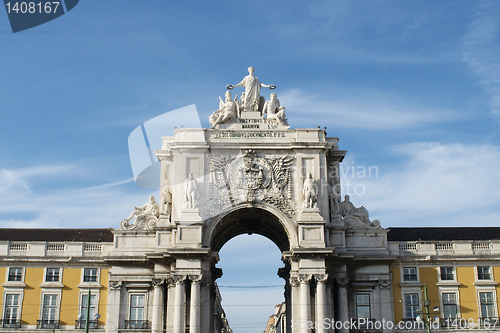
pixel 52 324
pixel 10 323
pixel 80 324
pixel 137 324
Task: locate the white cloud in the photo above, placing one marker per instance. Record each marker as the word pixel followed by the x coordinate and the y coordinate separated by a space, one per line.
pixel 69 207
pixel 481 50
pixel 437 184
pixel 366 110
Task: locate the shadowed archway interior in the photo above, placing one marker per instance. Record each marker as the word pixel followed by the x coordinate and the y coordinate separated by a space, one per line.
pixel 249 221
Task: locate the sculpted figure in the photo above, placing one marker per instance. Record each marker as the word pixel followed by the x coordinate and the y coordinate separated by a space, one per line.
pixel 274 111
pixel 309 192
pixel 166 200
pixel 191 192
pixel 252 90
pixel 347 208
pixel 141 213
pixel 228 109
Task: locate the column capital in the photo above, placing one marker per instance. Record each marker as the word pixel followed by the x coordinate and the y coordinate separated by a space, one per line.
pixel 179 278
pixel 115 284
pixel 343 282
pixel 294 281
pixel 305 278
pixel 321 278
pixel 157 282
pixel 196 278
pixel 384 284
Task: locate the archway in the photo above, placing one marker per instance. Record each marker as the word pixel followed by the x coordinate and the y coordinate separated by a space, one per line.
pixel 258 219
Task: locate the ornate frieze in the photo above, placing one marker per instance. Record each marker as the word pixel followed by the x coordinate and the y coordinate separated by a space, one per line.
pixel 250 178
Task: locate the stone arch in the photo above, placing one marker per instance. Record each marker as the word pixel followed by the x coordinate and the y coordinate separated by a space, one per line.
pixel 260 218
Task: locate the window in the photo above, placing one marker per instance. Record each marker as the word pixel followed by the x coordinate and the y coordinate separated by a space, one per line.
pixel 15 274
pixel 52 275
pixel 411 306
pixel 49 312
pixel 410 274
pixel 84 304
pixel 483 273
pixel 363 306
pixel 449 305
pixel 137 309
pixel 12 310
pixel 447 273
pixel 90 275
pixel 487 306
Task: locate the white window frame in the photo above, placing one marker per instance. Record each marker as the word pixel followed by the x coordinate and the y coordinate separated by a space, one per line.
pixel 98 277
pixel 23 269
pixel 476 271
pixel 454 273
pixel 369 303
pixel 405 291
pixel 56 292
pixel 146 302
pixel 10 291
pixel 450 290
pixel 60 275
pixel 403 274
pixel 487 290
pixel 95 293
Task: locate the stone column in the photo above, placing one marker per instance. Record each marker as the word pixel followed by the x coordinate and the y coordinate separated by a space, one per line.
pixel 180 303
pixel 387 311
pixel 157 318
pixel 305 303
pixel 320 301
pixel 295 310
pixel 169 315
pixel 205 305
pixel 195 312
pixel 343 303
pixel 113 309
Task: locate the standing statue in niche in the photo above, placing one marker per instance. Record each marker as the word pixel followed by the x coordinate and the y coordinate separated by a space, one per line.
pixel 228 109
pixel 309 191
pixel 191 193
pixel 150 209
pixel 166 200
pixel 252 90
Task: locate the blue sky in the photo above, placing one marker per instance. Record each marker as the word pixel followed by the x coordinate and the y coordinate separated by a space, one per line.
pixel 412 88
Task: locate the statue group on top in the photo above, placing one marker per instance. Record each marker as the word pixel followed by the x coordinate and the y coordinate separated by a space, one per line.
pixel 145 216
pixel 250 101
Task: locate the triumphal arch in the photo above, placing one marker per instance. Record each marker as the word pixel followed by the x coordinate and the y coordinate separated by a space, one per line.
pixel 250 173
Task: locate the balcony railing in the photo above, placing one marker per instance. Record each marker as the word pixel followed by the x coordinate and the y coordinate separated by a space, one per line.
pixel 10 323
pixel 80 324
pixel 137 324
pixel 53 324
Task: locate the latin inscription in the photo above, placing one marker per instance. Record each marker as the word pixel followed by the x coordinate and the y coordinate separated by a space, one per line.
pixel 244 135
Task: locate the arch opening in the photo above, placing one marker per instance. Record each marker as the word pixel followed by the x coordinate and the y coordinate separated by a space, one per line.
pixel 249 220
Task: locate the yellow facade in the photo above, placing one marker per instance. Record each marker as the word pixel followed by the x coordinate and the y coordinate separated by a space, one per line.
pixel 32 294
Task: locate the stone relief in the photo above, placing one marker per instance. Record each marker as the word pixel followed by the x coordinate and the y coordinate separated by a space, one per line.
pixel 146 217
pixel 191 193
pixel 357 218
pixel 250 178
pixel 310 195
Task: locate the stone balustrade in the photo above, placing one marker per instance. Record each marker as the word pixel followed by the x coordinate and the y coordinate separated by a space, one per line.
pixel 452 248
pixel 54 249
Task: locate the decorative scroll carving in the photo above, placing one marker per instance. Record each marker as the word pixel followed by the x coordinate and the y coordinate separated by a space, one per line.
pixel 343 282
pixel 195 278
pixel 321 278
pixel 250 178
pixel 157 282
pixel 179 278
pixel 384 284
pixel 294 281
pixel 146 217
pixel 115 284
pixel 305 278
pixel 357 218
